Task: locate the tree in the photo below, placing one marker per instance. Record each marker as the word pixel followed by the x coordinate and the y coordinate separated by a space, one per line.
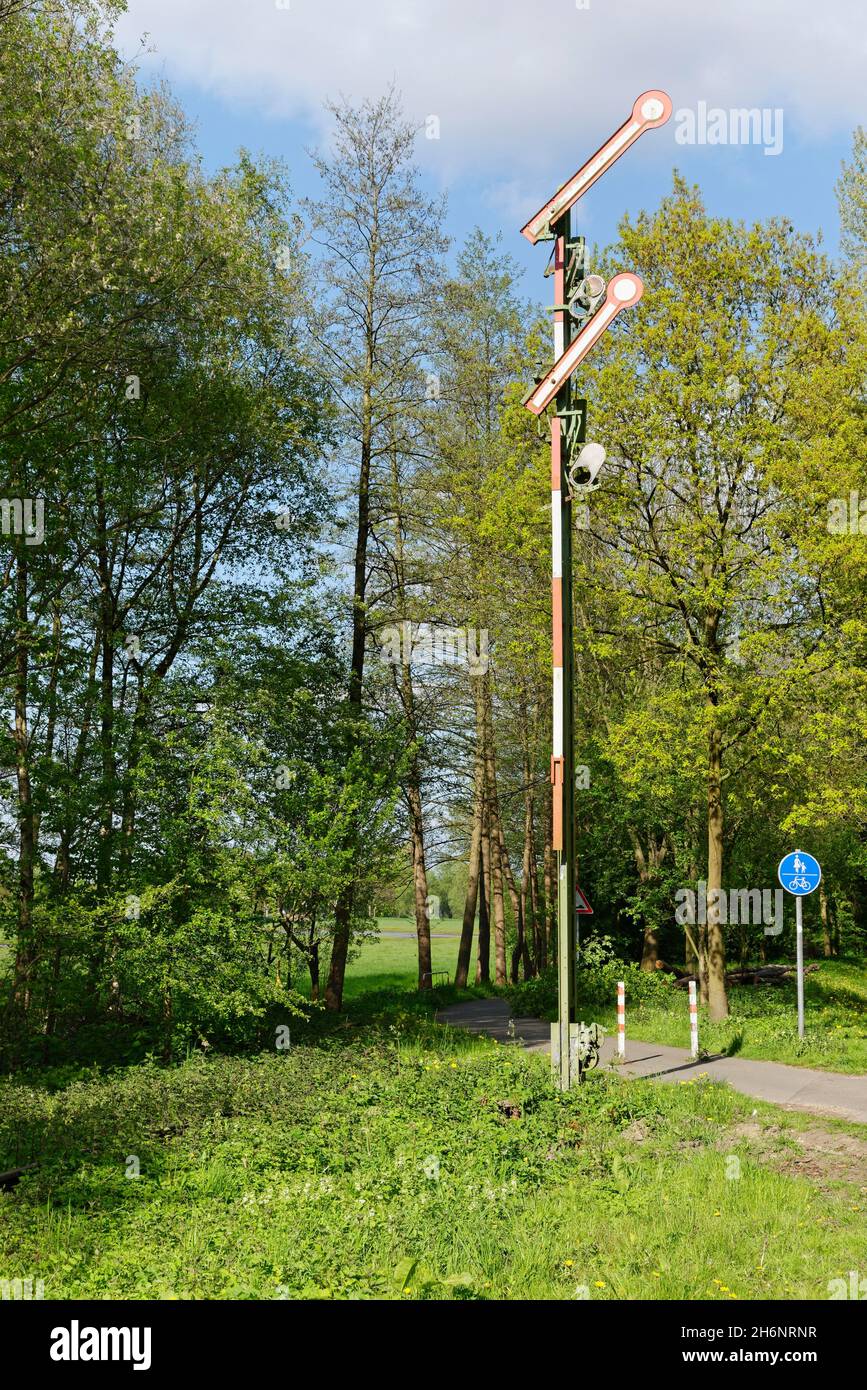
pixel 154 398
pixel 695 401
pixel 380 238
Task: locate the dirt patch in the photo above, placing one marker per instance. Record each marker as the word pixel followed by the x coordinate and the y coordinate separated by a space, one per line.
pixel 637 1132
pixel 829 1158
pixel 817 1154
pixel 753 1131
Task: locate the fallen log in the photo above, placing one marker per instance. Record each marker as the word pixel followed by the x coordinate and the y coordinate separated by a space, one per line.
pixel 672 970
pixel 760 975
pixel 9 1179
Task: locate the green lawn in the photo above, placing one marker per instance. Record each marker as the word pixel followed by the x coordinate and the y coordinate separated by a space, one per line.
pixel 385 1157
pixel 382 1156
pixel 392 961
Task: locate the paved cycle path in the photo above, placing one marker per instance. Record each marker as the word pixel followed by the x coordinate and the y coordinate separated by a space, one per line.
pixel 824 1092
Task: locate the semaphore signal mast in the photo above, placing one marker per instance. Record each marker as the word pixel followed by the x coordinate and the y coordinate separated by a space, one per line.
pixel 584 307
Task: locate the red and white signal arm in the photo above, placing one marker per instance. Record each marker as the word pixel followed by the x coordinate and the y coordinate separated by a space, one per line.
pixel 650 110
pixel 623 291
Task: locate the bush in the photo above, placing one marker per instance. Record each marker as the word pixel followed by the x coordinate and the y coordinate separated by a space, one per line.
pixel 599 970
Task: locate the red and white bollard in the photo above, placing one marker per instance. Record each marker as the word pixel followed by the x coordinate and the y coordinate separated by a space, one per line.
pixel 693 1019
pixel 621 1019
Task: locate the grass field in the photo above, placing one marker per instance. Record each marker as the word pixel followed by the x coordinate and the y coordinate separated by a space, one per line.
pixel 392 961
pixel 385 1158
pixel 382 1156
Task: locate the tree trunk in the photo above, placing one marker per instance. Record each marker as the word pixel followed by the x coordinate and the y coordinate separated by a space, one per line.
pixel 106 717
pixel 25 954
pixel 717 999
pixel 827 945
pixel 419 878
pixel 313 964
pixel 465 945
pixel 648 871
pixel 649 945
pixel 413 786
pixel 526 921
pixel 498 906
pixel 550 879
pixel 495 843
pixel 483 962
pixel 138 735
pixel 540 954
pixel 520 952
pixel 690 951
pixel 63 858
pixel 346 899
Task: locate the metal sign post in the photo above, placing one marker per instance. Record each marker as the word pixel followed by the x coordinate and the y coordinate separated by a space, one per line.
pixel 583 309
pixel 799 956
pixel 800 874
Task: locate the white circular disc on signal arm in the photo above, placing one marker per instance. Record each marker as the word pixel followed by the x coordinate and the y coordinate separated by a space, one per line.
pixel 652 108
pixel 626 289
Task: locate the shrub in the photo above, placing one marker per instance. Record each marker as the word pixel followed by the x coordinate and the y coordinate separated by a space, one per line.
pixel 599 970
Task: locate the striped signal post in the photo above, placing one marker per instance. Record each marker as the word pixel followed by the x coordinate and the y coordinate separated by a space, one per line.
pixel 562 760
pixel 693 1020
pixel 568 427
pixel 621 1019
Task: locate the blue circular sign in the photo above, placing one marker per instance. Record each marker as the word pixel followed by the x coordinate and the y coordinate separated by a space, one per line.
pixel 799 873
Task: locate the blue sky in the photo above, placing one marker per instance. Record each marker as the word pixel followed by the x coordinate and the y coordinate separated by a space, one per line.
pixel 524 93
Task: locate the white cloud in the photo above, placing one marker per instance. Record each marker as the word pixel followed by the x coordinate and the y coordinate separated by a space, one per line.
pixel 518 85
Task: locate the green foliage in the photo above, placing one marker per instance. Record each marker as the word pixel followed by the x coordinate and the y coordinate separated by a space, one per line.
pixel 599 971
pixel 181 782
pixel 399 1161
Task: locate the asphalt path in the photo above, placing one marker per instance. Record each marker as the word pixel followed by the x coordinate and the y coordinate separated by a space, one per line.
pixel 822 1092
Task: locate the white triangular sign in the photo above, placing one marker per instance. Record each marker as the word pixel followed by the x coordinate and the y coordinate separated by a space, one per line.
pixel 582 906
